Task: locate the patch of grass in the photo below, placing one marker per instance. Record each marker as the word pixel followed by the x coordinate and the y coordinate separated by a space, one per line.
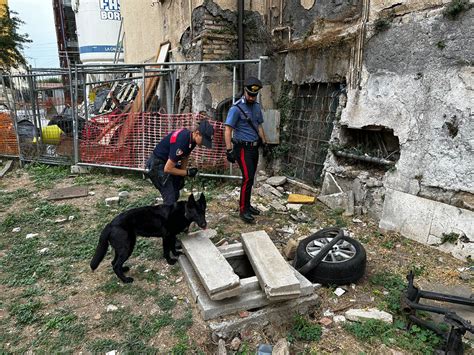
pixel 61 320
pixel 45 209
pixel 147 200
pixel 26 313
pixel 102 345
pixel 166 302
pixel 303 329
pixel 455 8
pixel 336 215
pixel 161 321
pixel 23 265
pixel 416 340
pixel 6 198
pixel 392 283
pixel 148 249
pixel 183 324
pixel 45 176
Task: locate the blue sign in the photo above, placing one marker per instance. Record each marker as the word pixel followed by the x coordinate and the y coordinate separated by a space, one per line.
pixel 109 9
pixel 98 49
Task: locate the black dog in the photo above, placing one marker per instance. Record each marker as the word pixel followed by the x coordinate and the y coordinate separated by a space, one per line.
pixel 151 221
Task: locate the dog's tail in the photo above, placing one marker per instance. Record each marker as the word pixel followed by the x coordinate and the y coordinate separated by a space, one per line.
pixel 101 249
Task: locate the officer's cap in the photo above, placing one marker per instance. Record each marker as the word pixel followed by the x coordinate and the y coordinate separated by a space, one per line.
pixel 207 133
pixel 252 85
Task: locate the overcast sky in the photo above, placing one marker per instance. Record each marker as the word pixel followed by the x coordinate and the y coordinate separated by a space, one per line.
pixel 39 25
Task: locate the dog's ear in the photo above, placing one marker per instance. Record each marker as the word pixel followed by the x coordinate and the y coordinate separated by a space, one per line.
pixel 202 200
pixel 191 200
pixel 164 211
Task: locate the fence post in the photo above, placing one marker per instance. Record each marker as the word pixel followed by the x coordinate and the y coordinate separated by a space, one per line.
pixel 73 94
pixel 13 117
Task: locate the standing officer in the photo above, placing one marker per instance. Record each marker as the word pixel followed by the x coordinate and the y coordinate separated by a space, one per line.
pixel 168 164
pixel 244 121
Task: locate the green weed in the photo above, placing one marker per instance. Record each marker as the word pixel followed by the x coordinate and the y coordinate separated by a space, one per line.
pixel 161 321
pixel 62 320
pixel 394 284
pixel 183 324
pixel 166 302
pixel 382 24
pixel 102 345
pixel 304 330
pixel 44 176
pixel 455 8
pixel 6 198
pixel 26 313
pixel 450 238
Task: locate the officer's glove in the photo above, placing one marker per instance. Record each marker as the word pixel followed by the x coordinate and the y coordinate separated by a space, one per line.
pixel 230 155
pixel 192 172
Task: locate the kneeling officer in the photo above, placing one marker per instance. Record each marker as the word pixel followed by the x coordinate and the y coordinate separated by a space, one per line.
pixel 167 165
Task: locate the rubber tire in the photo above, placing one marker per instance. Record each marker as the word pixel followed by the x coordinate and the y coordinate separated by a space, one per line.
pixel 325 273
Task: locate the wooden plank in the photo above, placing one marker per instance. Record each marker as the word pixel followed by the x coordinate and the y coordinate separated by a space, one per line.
pixel 68 192
pixel 276 277
pixel 297 198
pixel 6 168
pixel 215 273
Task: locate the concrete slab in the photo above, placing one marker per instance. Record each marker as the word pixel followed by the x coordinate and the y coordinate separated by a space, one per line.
pixel 273 272
pixel 68 192
pixel 330 185
pixel 251 297
pixel 212 268
pixel 275 314
pixel 342 200
pixel 237 249
pixel 422 219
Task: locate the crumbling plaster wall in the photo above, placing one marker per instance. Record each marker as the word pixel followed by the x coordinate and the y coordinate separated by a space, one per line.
pixel 417 79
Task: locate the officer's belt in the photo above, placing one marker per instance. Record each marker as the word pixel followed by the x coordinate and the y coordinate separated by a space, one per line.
pixel 244 143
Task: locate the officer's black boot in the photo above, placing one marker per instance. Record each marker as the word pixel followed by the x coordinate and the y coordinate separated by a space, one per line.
pixel 254 211
pixel 247 217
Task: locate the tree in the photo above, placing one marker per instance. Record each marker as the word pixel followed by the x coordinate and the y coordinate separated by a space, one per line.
pixel 11 42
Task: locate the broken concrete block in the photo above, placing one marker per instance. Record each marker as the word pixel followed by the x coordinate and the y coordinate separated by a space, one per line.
pixel 215 273
pixel 276 180
pixel 290 249
pixel 270 190
pixel 6 168
pixel 79 169
pixel 330 185
pixel 221 350
pixel 31 235
pixel 273 272
pixel 339 319
pixel 277 206
pixel 341 200
pixel 297 198
pixel 282 347
pixel 16 229
pixel 123 194
pixel 112 201
pixel 359 315
pixel 262 208
pixel 294 206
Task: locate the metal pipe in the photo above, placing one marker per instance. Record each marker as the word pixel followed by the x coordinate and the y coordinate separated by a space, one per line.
pixel 203 62
pixel 122 79
pixel 234 79
pixel 240 38
pixel 374 160
pixel 141 170
pixel 143 89
pixel 220 176
pixel 74 100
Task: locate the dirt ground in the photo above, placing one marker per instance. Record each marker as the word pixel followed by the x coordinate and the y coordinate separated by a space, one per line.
pixel 51 301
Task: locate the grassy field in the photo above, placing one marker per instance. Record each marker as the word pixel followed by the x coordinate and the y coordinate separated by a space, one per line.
pixel 52 302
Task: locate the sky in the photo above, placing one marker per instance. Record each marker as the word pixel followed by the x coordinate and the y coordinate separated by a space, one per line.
pixel 39 25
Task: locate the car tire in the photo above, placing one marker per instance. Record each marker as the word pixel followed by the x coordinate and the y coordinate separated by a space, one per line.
pixel 344 264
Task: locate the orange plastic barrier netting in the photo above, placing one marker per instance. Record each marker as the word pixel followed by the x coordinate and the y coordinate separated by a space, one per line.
pixel 128 139
pixel 8 142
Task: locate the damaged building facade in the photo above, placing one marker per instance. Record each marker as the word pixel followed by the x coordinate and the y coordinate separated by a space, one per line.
pixel 376 97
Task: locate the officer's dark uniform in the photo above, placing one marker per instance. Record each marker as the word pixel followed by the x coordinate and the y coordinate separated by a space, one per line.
pixel 245 145
pixel 175 146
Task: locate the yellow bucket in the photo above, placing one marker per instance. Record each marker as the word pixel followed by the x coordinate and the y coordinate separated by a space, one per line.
pixel 51 134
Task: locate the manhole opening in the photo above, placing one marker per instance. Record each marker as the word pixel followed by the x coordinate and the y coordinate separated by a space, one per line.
pixel 241 265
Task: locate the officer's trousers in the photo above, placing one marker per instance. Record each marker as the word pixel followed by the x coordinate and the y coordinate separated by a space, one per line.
pixel 247 158
pixel 168 185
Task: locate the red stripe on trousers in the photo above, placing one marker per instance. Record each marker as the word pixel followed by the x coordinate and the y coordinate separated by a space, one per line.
pixel 246 180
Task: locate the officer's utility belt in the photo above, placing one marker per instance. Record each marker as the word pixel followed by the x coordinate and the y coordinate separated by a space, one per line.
pixel 245 144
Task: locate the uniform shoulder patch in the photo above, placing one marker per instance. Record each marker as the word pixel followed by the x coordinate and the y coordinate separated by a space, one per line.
pixel 179 151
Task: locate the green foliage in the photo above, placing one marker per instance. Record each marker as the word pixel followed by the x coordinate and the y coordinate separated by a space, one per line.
pixel 450 238
pixel 440 45
pixel 161 321
pixel 45 209
pixel 456 7
pixel 304 330
pixel 382 24
pixel 416 340
pixel 11 42
pixel 183 324
pixel 62 320
pixel 7 198
pixel 166 302
pixel 392 283
pixel 336 215
pixel 102 345
pixel 285 104
pixel 45 176
pixel 26 313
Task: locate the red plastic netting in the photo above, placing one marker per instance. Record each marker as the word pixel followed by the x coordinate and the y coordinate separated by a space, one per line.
pixel 8 142
pixel 127 140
